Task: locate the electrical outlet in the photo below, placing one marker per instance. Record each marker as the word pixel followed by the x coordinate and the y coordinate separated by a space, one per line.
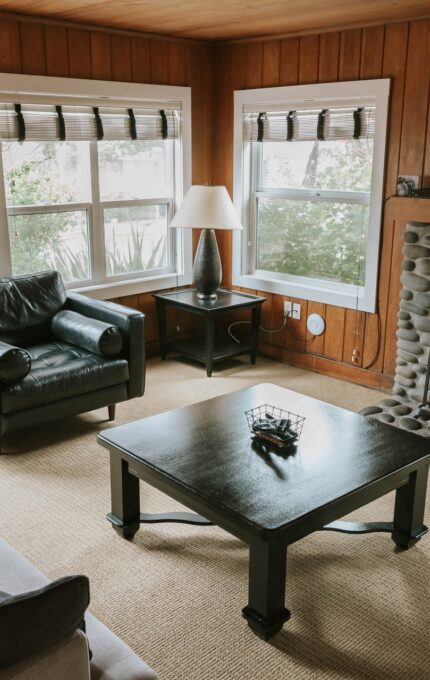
pixel 296 310
pixel 288 307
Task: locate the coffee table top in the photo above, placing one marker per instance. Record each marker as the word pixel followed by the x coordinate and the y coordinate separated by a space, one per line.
pixel 206 450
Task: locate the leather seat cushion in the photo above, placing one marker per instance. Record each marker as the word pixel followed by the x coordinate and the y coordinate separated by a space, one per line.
pixel 59 371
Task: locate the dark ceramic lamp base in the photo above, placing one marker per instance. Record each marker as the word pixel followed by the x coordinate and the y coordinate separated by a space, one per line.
pixel 212 296
pixel 207 266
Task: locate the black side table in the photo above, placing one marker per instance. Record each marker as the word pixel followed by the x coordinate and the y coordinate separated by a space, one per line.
pixel 209 349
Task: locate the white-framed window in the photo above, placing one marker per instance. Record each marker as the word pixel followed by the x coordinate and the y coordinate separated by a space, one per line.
pixel 91 173
pixel 308 180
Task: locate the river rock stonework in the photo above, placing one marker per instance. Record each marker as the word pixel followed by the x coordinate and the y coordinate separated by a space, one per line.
pixel 413 337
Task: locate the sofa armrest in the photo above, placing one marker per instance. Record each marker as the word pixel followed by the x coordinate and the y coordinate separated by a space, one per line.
pixel 67 660
pixel 15 363
pixel 131 322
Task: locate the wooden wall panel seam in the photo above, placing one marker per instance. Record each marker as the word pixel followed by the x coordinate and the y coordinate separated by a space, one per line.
pixel 416 89
pixel 33 57
pixel 56 51
pixel 388 297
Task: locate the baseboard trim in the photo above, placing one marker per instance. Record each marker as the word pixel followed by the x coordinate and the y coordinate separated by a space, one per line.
pixel 326 366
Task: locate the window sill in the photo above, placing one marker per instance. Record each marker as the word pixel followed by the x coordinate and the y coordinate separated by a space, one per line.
pixel 308 290
pixel 116 289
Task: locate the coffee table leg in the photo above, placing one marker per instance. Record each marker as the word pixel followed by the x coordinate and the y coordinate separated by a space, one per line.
pixel 409 510
pixel 125 515
pixel 266 612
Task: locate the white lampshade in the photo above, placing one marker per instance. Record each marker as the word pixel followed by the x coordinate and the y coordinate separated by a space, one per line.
pixel 207 207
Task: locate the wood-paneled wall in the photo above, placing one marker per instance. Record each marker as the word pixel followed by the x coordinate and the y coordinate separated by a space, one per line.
pixel 46 49
pixel 398 51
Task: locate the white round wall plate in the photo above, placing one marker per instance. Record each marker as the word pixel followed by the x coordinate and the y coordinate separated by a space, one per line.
pixel 315 324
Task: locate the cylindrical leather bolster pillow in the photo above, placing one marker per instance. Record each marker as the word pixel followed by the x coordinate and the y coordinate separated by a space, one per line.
pixel 15 363
pixel 91 334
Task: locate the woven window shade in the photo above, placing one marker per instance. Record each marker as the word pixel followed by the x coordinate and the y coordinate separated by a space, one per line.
pixel 310 125
pixel 46 123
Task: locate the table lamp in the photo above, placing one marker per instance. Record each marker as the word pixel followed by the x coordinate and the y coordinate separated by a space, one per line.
pixel 207 208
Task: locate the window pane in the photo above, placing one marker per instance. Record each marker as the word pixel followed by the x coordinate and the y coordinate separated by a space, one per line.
pixel 46 173
pixel 135 238
pixel 133 169
pixel 50 241
pixel 333 165
pixel 317 239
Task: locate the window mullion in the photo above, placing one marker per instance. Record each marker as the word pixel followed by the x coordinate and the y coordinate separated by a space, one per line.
pixel 5 251
pixel 252 233
pixel 131 202
pixel 360 197
pixel 46 209
pixel 96 226
pixel 257 167
pixel 170 170
pixel 256 173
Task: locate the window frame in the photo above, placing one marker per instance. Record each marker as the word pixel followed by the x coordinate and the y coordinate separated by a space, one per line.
pixel 247 189
pixel 51 90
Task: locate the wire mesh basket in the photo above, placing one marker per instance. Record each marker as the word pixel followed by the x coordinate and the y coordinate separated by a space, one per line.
pixel 275 425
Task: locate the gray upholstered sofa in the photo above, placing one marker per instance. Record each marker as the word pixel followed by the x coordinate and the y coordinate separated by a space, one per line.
pixel 62 353
pixel 68 659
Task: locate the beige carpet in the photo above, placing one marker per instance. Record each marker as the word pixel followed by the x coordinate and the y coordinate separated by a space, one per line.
pixel 359 608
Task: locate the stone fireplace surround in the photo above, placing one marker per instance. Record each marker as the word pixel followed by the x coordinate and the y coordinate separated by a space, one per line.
pixel 413 336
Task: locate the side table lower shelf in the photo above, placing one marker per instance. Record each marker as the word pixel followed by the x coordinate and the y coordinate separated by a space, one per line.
pixel 194 348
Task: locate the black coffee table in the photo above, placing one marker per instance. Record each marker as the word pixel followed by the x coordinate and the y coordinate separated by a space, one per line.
pixel 203 456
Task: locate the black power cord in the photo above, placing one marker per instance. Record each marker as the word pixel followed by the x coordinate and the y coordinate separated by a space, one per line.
pixel 308 340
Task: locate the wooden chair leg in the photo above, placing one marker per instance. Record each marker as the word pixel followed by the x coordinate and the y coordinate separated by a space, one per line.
pixel 111 411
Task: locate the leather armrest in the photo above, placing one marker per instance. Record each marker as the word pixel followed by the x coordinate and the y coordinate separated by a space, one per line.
pixel 131 322
pixel 67 660
pixel 94 335
pixel 15 363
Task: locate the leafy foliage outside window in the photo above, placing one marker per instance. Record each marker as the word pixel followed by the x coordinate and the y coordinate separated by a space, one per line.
pixel 50 241
pixel 37 175
pixel 53 173
pixel 315 239
pixel 135 238
pixel 320 238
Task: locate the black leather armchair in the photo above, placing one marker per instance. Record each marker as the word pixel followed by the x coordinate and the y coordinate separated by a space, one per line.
pixel 52 362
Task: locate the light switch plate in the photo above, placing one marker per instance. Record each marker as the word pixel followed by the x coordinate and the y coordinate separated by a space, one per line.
pixel 287 308
pixel 296 311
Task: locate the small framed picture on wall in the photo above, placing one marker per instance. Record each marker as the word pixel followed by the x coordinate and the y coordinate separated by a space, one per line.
pixel 407 185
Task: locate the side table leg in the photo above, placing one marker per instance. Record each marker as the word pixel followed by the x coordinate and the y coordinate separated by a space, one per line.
pixel 209 343
pixel 125 515
pixel 266 611
pixel 255 329
pixel 409 510
pixel 161 318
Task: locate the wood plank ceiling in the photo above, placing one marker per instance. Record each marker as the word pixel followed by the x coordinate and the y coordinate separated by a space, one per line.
pixel 223 19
